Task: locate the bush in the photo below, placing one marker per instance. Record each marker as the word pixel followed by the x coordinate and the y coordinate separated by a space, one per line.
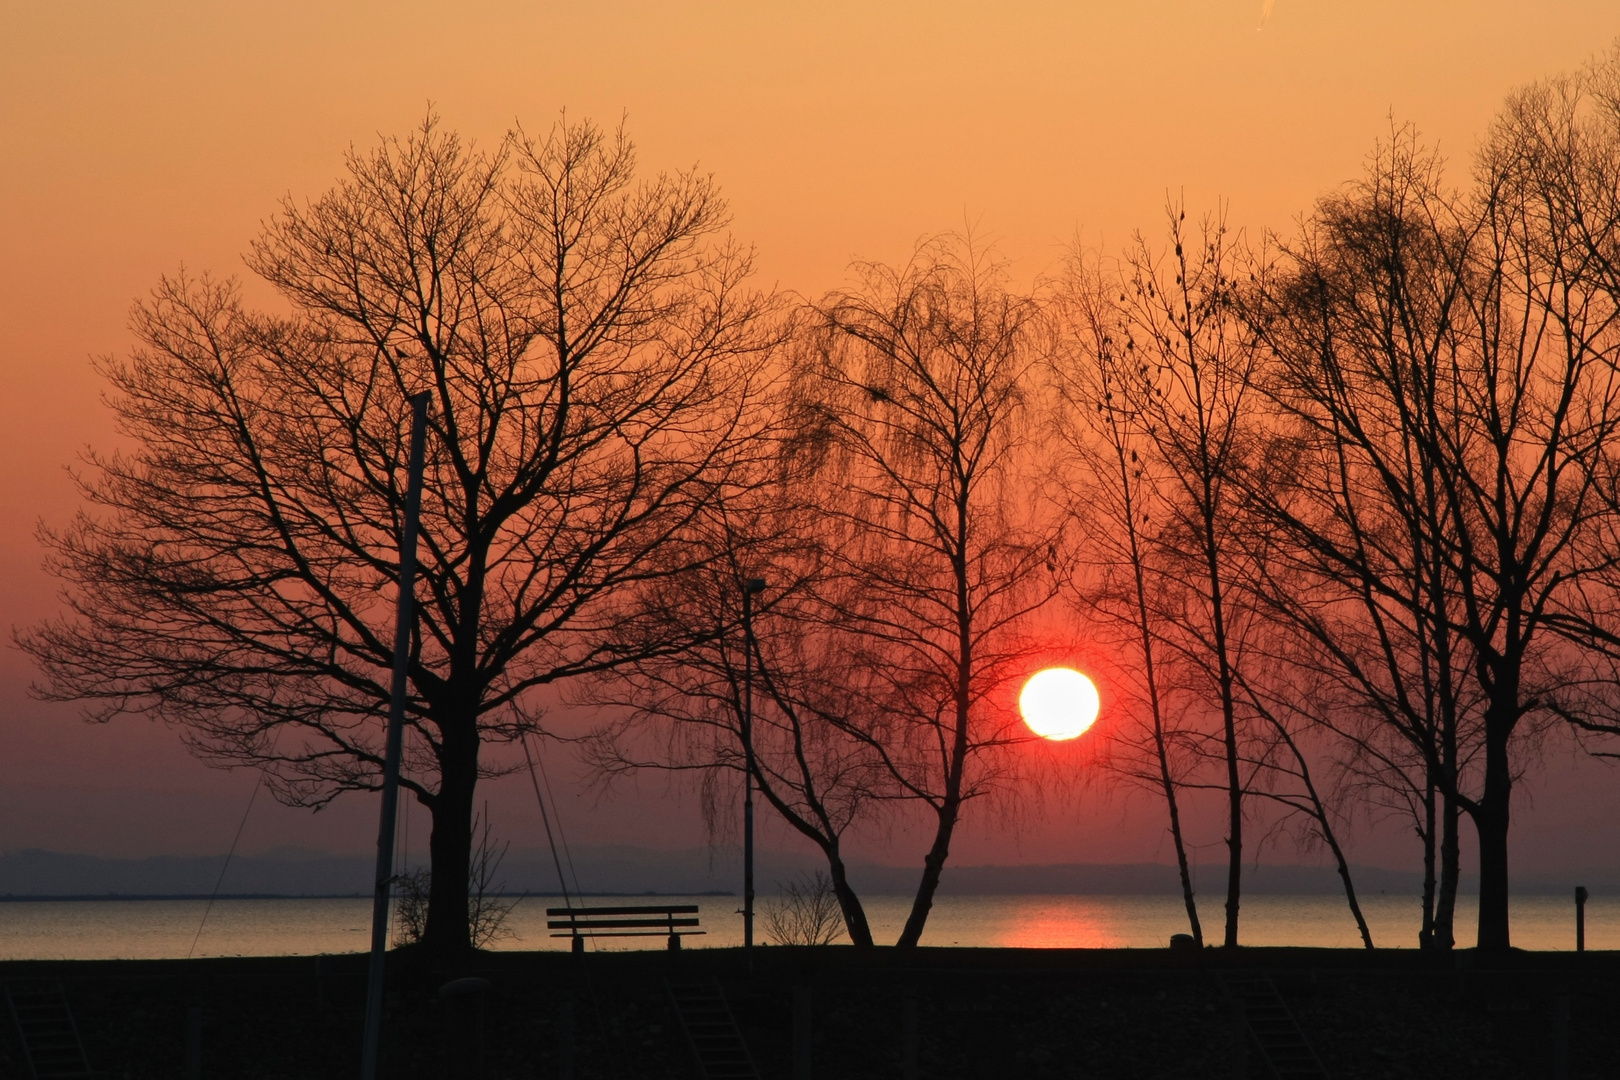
pixel 487 909
pixel 805 912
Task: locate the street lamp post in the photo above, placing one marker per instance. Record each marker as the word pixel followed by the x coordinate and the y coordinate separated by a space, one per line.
pixel 751 588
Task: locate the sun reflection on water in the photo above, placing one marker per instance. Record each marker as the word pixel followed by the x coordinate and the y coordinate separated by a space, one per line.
pixel 1058 923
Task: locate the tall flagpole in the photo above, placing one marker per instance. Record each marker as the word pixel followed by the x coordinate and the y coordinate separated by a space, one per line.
pixel 404 620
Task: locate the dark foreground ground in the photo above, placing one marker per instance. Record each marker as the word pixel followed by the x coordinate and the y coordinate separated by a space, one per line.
pixel 981 1013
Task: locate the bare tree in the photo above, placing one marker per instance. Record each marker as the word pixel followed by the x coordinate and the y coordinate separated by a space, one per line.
pixel 1532 508
pixel 911 396
pixel 1488 424
pixel 589 346
pixel 1190 378
pixel 1192 372
pixel 685 711
pixel 1364 327
pixel 1115 503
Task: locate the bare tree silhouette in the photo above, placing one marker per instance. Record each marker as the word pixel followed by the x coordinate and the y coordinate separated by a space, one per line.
pixel 911 396
pixel 1364 324
pixel 590 349
pixel 1452 366
pixel 1176 412
pixel 684 711
pixel 1191 369
pixel 1114 500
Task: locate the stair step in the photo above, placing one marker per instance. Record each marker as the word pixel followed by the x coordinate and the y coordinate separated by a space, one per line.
pixel 711 1031
pixel 45 1028
pixel 1286 1052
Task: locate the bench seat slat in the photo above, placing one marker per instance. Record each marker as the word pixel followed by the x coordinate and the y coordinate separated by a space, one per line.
pixel 669 909
pixel 614 924
pixel 583 932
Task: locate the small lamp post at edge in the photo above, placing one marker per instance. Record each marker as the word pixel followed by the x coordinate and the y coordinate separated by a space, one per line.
pixel 751 587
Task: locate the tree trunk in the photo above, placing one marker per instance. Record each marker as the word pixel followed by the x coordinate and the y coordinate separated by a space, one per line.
pixel 855 924
pixel 1445 929
pixel 950 804
pixel 821 833
pixel 1149 669
pixel 1226 678
pixel 1234 835
pixel 933 866
pixel 1234 788
pixel 1344 875
pixel 1426 938
pixel 1445 912
pixel 1325 827
pixel 448 931
pixel 1181 847
pixel 1491 823
pixel 1450 807
pixel 950 807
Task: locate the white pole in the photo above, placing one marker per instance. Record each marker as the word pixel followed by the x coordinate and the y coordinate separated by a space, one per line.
pixel 404 621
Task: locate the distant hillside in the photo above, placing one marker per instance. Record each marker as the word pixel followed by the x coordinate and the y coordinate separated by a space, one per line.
pixel 34 873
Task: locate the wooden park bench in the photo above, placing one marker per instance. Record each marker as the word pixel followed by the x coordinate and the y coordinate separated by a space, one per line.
pixel 642 921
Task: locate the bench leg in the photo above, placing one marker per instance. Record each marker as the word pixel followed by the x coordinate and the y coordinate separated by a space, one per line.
pixel 579 944
pixel 674 943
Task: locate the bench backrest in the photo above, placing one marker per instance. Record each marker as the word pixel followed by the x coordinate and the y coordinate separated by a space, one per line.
pixel 639 917
pixel 656 909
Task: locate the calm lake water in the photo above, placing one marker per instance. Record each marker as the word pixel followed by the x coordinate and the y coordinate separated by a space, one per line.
pixel 152 929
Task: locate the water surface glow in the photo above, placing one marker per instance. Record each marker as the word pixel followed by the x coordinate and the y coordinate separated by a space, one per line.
pixel 156 929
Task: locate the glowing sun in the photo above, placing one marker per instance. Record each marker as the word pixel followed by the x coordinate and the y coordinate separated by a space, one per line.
pixel 1059 703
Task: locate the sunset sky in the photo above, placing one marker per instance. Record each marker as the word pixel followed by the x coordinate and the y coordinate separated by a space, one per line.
pixel 142 137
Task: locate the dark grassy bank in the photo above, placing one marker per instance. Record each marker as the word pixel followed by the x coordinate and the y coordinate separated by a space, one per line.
pixel 982 1013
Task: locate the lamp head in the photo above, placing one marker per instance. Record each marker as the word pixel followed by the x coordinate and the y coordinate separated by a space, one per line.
pixel 754 586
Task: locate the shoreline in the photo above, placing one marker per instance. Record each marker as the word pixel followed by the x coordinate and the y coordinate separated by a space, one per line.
pixel 10 898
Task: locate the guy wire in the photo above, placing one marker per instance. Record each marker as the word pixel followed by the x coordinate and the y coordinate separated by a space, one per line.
pixel 590 985
pixel 562 834
pixel 228 856
pixel 545 817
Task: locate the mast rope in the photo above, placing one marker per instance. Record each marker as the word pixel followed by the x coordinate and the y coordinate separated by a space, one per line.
pixel 228 856
pixel 545 817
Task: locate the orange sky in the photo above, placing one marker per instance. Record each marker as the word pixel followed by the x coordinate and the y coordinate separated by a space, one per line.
pixel 139 137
